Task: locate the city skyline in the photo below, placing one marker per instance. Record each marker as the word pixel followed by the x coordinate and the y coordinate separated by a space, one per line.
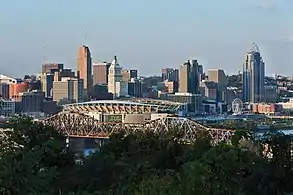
pixel 146 36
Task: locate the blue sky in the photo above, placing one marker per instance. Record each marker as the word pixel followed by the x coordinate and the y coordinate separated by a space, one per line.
pixel 146 35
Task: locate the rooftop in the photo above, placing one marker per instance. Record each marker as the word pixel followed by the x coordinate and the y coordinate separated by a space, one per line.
pixel 124 105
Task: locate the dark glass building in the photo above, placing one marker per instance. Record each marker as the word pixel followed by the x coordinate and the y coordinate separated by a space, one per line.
pixel 189 77
pixel 253 76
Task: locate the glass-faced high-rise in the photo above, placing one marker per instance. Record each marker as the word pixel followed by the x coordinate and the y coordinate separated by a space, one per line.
pixel 253 76
pixel 188 77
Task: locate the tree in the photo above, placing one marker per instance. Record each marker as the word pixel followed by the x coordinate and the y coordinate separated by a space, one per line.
pixel 32 158
pixel 34 161
pixel 274 175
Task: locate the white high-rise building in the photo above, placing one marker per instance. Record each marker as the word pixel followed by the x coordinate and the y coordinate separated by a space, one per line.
pixel 115 84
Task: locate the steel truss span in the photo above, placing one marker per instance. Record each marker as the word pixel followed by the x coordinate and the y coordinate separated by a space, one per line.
pixel 81 125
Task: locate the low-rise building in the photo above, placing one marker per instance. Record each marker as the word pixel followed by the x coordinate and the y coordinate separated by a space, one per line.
pixel 268 109
pixel 7 107
pixel 287 105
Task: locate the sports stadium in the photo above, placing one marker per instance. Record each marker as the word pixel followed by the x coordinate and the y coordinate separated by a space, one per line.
pixel 131 110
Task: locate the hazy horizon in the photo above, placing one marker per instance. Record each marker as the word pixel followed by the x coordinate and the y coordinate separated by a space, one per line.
pixel 148 35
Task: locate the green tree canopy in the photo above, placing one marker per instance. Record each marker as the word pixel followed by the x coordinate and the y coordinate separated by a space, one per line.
pixel 35 161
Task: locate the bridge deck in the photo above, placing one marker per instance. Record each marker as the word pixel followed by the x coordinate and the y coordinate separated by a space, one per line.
pixel 80 125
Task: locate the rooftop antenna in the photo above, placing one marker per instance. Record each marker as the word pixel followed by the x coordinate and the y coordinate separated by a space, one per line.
pixel 85 34
pixel 44 47
pixel 254 48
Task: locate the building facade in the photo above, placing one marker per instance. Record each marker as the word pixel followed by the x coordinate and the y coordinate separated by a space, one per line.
pixel 7 107
pixel 84 68
pixel 47 80
pixel 6 79
pixel 218 76
pixel 4 90
pixel 70 89
pixel 193 102
pixel 115 84
pixel 127 75
pixel 135 87
pixel 31 102
pixel 170 74
pixel 209 89
pixel 171 86
pixel 52 67
pixel 16 88
pixel 268 109
pixel 100 73
pixel 188 77
pixel 253 76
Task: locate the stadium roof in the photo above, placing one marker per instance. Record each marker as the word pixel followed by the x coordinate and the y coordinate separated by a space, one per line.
pixel 132 105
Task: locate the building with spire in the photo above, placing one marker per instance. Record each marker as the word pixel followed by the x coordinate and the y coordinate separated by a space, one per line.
pixel 84 68
pixel 116 85
pixel 253 76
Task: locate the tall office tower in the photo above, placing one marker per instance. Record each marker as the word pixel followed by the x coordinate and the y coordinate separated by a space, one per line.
pixel 218 76
pixel 70 89
pixel 188 77
pixel 194 77
pixel 84 68
pixel 100 73
pixel 253 76
pixel 127 75
pixel 52 67
pixel 115 84
pixel 184 78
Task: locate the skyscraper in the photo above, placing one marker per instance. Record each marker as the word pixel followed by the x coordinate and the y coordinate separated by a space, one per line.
pixel 253 76
pixel 188 77
pixel 100 73
pixel 84 68
pixel 70 89
pixel 115 84
pixel 218 76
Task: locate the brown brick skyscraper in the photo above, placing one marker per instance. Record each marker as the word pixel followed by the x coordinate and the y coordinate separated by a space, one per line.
pixel 84 68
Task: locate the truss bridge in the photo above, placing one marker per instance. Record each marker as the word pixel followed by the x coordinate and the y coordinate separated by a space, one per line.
pixel 80 125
